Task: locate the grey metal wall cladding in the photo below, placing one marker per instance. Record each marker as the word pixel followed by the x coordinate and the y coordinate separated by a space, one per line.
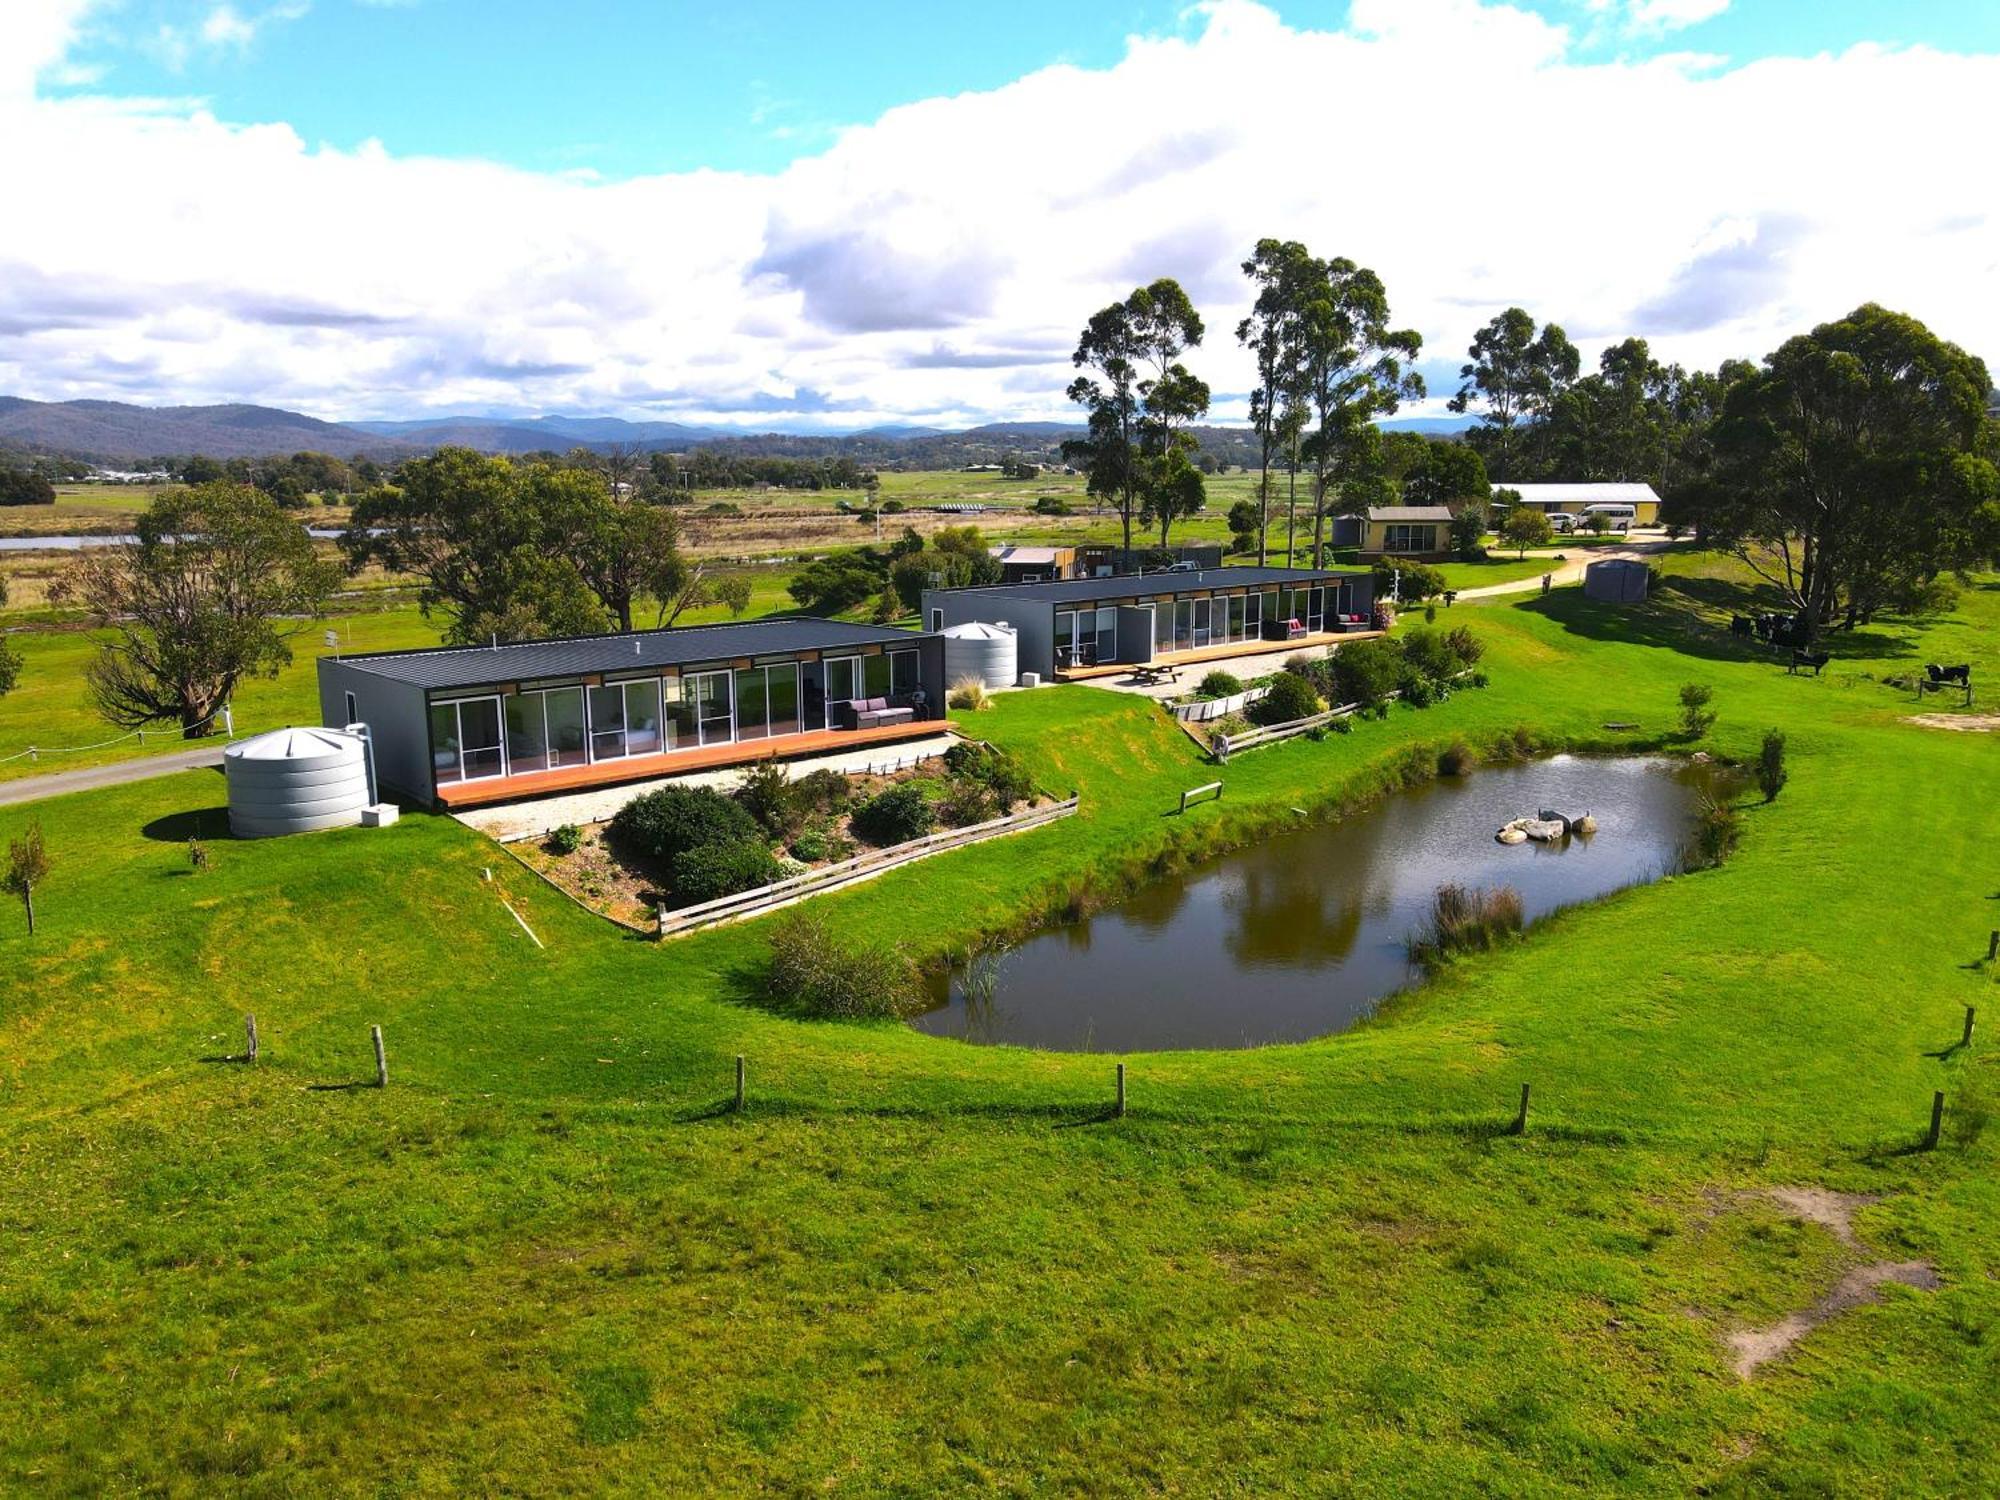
pixel 988 653
pixel 295 781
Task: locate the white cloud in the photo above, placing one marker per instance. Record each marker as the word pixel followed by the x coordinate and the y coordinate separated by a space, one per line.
pixel 935 263
pixel 1672 15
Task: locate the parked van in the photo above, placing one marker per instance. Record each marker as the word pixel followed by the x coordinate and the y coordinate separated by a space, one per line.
pixel 1620 517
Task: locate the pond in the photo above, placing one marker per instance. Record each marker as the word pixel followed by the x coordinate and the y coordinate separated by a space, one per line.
pixel 1303 934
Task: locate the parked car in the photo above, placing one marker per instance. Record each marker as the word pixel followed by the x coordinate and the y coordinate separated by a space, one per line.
pixel 1562 522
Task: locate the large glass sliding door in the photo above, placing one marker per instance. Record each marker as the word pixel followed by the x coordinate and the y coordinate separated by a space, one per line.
pixel 767 701
pixel 714 716
pixel 466 740
pixel 843 683
pixel 545 730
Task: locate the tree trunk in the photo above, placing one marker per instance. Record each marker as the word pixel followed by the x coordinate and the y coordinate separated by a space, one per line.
pixel 28 900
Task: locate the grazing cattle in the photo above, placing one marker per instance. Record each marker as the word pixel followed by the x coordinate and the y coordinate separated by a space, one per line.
pixel 1961 674
pixel 1742 625
pixel 1817 660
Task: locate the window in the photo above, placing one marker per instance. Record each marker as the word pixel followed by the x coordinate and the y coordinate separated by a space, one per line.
pixel 1238 608
pixel 875 676
pixel 1107 634
pixel 1163 627
pixel 1404 536
pixel 465 740
pixel 353 713
pixel 607 723
pixel 643 735
pixel 1066 638
pixel 937 620
pixel 905 673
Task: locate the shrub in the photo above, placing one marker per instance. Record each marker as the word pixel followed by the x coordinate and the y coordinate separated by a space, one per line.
pixel 896 816
pixel 968 693
pixel 810 846
pixel 815 973
pixel 708 871
pixel 1427 654
pixel 996 771
pixel 197 855
pixel 1696 719
pixel 1456 759
pixel 966 803
pixel 1365 671
pixel 1718 828
pixel 766 793
pixel 1465 920
pixel 1219 685
pixel 1464 645
pixel 1478 679
pixel 564 840
pixel 673 819
pixel 822 791
pixel 1418 690
pixel 1290 697
pixel 1771 772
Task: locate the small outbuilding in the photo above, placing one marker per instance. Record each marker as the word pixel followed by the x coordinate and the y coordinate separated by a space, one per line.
pixel 1616 580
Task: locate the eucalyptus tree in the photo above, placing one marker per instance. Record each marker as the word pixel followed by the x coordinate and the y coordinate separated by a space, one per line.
pixel 1354 369
pixel 1514 377
pixel 1140 402
pixel 1858 466
pixel 1279 268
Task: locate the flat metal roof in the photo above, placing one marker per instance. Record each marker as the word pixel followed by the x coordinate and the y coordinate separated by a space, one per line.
pixel 575 656
pixel 1142 585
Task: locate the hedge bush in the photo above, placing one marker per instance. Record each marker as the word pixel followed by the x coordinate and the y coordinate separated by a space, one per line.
pixel 896 816
pixel 1219 685
pixel 813 972
pixel 673 819
pixel 709 871
pixel 1291 697
pixel 1366 672
pixel 997 771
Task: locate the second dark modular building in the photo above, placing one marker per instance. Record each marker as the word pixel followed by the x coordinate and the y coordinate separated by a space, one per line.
pixel 1158 618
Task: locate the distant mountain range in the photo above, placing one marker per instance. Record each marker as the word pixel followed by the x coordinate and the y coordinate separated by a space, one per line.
pixel 115 432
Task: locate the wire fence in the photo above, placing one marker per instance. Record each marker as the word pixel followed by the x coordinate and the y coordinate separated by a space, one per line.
pixel 35 752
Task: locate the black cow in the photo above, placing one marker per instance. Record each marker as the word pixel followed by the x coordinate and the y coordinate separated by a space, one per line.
pixel 1742 625
pixel 1817 660
pixel 1961 674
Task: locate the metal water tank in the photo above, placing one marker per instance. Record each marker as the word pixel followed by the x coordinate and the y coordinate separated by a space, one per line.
pixel 989 652
pixel 295 781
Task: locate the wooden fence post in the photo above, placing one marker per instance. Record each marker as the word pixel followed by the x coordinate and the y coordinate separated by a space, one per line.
pixel 1993 945
pixel 1937 1121
pixel 739 1082
pixel 1970 1013
pixel 250 1027
pixel 381 1058
pixel 1521 1118
pixel 1120 1110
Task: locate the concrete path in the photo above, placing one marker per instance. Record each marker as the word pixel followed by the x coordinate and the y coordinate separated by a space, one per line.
pixel 117 773
pixel 523 820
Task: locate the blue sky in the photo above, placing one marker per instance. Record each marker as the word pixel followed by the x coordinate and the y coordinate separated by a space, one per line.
pixel 624 89
pixel 807 215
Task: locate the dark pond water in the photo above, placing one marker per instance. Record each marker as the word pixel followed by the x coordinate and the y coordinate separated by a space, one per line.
pixel 1303 934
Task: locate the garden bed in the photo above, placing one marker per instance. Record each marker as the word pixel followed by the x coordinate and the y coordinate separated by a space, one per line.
pixel 698 845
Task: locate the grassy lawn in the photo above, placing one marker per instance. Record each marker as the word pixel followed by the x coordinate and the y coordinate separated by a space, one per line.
pixel 546 1260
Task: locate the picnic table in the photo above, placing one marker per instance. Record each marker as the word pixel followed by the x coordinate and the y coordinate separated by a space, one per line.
pixel 1149 674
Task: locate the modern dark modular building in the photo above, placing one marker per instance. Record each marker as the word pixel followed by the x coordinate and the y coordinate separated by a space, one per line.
pixel 461 725
pixel 1083 624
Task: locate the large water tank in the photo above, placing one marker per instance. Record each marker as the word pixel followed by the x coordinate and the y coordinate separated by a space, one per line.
pixel 294 781
pixel 990 653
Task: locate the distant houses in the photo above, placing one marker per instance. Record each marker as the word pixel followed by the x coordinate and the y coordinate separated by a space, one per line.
pixel 1622 504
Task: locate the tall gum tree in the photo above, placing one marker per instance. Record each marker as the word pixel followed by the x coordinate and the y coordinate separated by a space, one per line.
pixel 1514 376
pixel 1857 466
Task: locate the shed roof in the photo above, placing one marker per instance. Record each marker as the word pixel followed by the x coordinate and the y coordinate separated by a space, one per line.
pixel 573 656
pixel 1410 513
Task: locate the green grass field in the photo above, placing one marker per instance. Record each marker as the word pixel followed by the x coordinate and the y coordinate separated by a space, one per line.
pixel 547 1259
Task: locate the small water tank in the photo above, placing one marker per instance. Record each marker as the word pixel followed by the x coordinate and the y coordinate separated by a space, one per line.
pixel 295 781
pixel 990 653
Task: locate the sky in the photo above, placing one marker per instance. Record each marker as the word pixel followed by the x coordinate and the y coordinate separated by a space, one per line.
pixel 809 216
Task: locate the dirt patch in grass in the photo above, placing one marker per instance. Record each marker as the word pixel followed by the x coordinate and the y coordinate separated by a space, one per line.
pixel 1971 723
pixel 1859 1285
